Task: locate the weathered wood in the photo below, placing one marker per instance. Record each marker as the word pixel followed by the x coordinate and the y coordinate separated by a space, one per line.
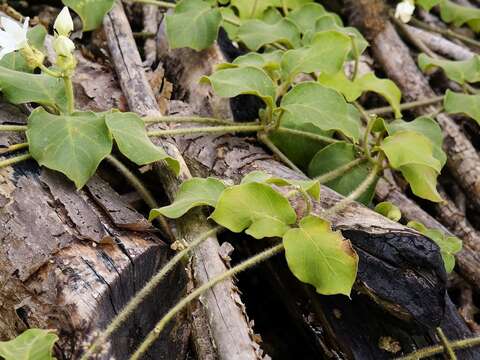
pixel 230 330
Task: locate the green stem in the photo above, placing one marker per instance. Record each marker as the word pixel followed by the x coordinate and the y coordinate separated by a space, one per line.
pixel 13 147
pixel 307 135
pixel 369 180
pixel 69 93
pixel 279 46
pixel 231 21
pixel 273 148
pixel 308 201
pixel 14 160
pixel 142 294
pixel 153 335
pixel 188 119
pixel 206 130
pixel 366 145
pixel 446 344
pixel 406 106
pixel 284 7
pixel 49 72
pixel 13 128
pixel 447 32
pixel 438 349
pixel 331 175
pixel 254 8
pixel 163 4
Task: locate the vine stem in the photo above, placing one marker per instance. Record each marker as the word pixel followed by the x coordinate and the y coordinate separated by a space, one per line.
pixel 49 72
pixel 142 190
pixel 206 130
pixel 13 147
pixel 273 148
pixel 153 335
pixel 146 290
pixel 164 4
pixel 14 160
pixel 446 32
pixel 13 128
pixel 187 119
pixel 369 180
pixel 368 130
pixel 307 135
pixel 446 344
pixel 406 106
pixel 331 175
pixel 438 349
pixel 69 93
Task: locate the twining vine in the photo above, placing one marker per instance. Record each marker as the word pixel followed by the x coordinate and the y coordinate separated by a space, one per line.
pixel 296 63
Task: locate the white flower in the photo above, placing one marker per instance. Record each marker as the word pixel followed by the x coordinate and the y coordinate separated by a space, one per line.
pixel 13 37
pixel 63 23
pixel 63 46
pixel 404 10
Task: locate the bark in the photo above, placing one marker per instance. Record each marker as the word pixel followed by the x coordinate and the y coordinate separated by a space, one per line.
pixel 229 327
pixel 71 260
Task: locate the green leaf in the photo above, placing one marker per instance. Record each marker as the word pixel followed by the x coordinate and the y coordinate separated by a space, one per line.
pixel 334 156
pixel 291 4
pixel 426 126
pixel 256 207
pixel 74 144
pixel 457 14
pixel 384 87
pixel 20 88
pixel 311 103
pixel 32 344
pixel 306 16
pixel 455 103
pixel 244 80
pixel 128 130
pixel 327 54
pixel 229 21
pixel 256 33
pixel 449 245
pixel 248 9
pixel 194 24
pixel 389 210
pixel 193 192
pixel 321 257
pixel 409 147
pixel 91 12
pixel 340 83
pixel 422 180
pixel 299 149
pixel 312 187
pixel 16 61
pixel 427 4
pixel 333 22
pixel 269 62
pixel 467 71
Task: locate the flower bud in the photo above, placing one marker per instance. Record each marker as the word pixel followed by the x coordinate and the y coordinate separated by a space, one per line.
pixel 404 11
pixel 63 46
pixel 63 24
pixel 33 57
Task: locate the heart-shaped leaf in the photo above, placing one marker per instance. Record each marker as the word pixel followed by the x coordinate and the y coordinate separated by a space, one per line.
pixel 256 207
pixel 427 4
pixel 32 344
pixel 129 133
pixel 91 12
pixel 244 80
pixel 455 103
pixel 340 83
pixel 459 71
pixel 72 144
pixel 326 54
pixel 256 33
pixel 194 24
pixel 422 180
pixel 321 257
pixel 383 87
pixel 20 88
pixel 458 14
pixel 193 192
pixel 306 16
pixel 334 156
pixel 248 9
pixel 449 245
pixel 311 103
